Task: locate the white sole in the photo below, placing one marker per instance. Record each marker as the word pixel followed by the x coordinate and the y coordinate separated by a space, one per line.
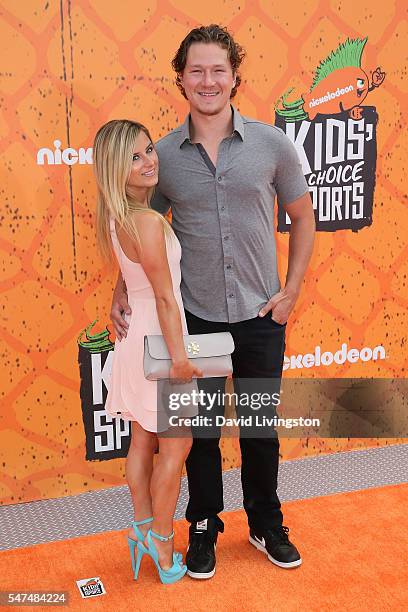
pixel 259 546
pixel 201 575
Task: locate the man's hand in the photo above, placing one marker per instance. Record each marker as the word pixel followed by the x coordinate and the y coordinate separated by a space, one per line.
pixel 280 305
pixel 120 306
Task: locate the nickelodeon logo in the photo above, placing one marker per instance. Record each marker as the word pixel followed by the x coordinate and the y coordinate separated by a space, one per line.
pixel 343 355
pixel 331 95
pixel 68 156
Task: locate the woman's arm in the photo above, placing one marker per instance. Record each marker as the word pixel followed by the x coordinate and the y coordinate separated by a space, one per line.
pixel 120 303
pixel 153 258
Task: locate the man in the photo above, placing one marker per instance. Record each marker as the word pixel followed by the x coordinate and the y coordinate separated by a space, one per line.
pixel 220 173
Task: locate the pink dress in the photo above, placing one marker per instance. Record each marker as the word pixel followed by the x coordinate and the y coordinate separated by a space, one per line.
pixel 131 396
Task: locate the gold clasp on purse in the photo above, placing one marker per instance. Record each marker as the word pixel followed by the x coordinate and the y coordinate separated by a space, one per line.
pixel 193 347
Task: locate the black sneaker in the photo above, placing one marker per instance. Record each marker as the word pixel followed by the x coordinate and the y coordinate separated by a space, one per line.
pixel 276 545
pixel 200 557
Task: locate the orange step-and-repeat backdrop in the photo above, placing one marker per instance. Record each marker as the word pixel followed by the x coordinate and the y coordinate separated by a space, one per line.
pixel 69 66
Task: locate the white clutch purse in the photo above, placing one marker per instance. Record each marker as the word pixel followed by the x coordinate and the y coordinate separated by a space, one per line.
pixel 211 353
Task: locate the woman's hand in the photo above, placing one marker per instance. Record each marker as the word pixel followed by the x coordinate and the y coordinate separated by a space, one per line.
pixel 184 371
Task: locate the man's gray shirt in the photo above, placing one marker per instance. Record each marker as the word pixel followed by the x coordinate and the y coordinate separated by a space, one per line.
pixel 224 216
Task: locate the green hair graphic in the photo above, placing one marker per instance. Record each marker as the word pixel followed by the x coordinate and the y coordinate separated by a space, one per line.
pixel 347 54
pixel 95 343
pixel 291 111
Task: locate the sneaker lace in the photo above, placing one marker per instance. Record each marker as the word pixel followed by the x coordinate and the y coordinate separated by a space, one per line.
pixel 282 532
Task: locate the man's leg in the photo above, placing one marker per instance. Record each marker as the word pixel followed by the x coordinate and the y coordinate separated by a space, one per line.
pixel 204 471
pixel 258 362
pixel 204 465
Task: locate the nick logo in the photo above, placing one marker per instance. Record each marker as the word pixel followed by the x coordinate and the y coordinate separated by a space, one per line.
pixel 68 156
pixel 335 137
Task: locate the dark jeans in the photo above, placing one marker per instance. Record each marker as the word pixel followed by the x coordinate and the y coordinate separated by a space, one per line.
pixel 258 354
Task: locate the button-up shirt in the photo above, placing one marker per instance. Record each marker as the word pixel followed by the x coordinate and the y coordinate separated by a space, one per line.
pixel 223 216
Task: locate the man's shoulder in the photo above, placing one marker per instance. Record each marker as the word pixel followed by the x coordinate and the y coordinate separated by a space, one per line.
pixel 169 140
pixel 261 128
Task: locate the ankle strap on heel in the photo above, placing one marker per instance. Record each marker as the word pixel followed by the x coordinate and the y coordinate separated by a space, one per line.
pixel 162 538
pixel 137 523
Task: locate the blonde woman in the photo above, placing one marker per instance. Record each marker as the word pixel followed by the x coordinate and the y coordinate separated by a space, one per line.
pixel 148 252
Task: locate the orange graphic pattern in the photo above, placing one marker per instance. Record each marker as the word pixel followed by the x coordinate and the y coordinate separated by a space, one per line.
pixel 69 66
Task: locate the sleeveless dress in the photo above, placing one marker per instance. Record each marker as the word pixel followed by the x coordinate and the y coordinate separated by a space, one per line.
pixel 131 396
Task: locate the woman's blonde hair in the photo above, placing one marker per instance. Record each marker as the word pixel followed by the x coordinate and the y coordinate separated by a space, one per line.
pixel 113 157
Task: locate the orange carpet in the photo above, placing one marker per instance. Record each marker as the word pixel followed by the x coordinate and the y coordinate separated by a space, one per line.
pixel 354 548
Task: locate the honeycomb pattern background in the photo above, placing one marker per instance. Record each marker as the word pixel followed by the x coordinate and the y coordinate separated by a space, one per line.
pixel 69 66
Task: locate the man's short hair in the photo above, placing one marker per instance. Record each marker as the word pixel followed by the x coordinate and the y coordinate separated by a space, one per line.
pixel 209 34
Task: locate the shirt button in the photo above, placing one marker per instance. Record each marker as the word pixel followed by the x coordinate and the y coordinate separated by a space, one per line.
pixel 226 237
pixel 228 267
pixel 231 295
pixel 219 179
pixel 222 207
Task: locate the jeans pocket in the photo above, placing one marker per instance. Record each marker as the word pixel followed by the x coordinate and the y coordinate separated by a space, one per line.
pixel 278 325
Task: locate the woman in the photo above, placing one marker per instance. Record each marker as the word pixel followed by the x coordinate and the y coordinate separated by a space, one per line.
pixel 148 253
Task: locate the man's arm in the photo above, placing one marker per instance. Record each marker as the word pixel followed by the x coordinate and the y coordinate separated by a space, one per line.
pixel 302 233
pixel 120 306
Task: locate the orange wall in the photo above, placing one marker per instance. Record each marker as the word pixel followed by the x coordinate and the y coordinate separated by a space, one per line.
pixel 63 75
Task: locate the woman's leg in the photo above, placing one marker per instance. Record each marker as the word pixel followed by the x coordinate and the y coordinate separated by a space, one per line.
pixel 139 467
pixel 165 489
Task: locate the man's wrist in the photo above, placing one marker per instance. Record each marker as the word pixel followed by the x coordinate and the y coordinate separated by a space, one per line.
pixel 291 291
pixel 120 290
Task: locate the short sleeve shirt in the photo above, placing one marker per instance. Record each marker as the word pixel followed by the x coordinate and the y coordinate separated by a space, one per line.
pixel 223 216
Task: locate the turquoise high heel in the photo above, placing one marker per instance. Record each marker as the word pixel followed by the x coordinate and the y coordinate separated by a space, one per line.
pixel 176 571
pixel 134 543
pixel 140 540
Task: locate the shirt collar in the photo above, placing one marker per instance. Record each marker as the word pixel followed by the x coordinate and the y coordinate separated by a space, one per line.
pixel 237 123
pixel 185 131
